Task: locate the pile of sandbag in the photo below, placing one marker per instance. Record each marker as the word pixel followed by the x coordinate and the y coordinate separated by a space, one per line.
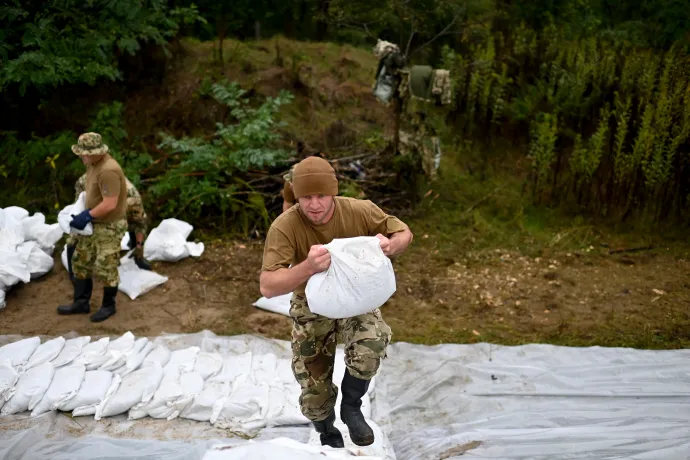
pixel 26 247
pixel 240 392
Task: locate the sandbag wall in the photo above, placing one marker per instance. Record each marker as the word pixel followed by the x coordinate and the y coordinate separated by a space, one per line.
pixel 241 392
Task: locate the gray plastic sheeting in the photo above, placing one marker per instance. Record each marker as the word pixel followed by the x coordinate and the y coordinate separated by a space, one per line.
pixel 448 401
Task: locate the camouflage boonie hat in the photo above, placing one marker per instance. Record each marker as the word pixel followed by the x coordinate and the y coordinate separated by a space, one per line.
pixel 90 144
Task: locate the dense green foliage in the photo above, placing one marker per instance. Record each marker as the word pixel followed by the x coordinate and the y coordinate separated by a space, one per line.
pixel 210 174
pixel 594 93
pixel 45 44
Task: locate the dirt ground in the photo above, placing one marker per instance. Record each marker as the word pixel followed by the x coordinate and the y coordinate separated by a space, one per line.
pixel 589 298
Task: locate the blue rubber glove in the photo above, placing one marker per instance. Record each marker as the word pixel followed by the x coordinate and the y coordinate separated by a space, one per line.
pixel 81 220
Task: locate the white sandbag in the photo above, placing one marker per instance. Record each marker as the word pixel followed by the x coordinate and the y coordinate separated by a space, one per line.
pixel 29 390
pixel 65 217
pixel 183 359
pixel 45 352
pixel 287 410
pixel 359 280
pixel 71 350
pixel 2 298
pixel 11 229
pixel 8 379
pixel 33 225
pixel 174 395
pixel 233 367
pixel 37 261
pixel 20 351
pixel 92 391
pixel 135 360
pixel 48 236
pixel 16 213
pixel 113 354
pixel 92 408
pixel 279 304
pixel 381 448
pixel 93 352
pixel 121 349
pixel 207 405
pixel 13 268
pixel 64 386
pixel 279 448
pixel 209 402
pixel 264 369
pixel 195 249
pixel 246 408
pixel 168 241
pixel 160 355
pixel 135 281
pixel 135 388
pixel 208 364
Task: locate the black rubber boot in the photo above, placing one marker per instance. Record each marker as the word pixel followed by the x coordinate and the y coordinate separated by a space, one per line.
pixel 350 409
pixel 70 254
pixel 82 296
pixel 330 435
pixel 107 307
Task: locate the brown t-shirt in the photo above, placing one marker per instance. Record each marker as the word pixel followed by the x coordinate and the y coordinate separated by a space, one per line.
pixel 292 235
pixel 103 179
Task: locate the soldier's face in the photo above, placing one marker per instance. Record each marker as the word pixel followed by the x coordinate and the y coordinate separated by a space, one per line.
pixel 317 208
pixel 90 159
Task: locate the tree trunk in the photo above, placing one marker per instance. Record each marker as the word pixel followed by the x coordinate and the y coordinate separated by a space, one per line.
pixel 257 30
pixel 288 23
pixel 322 21
pixel 221 30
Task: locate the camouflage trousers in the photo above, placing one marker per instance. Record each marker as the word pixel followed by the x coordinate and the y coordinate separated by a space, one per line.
pixel 314 340
pixel 99 254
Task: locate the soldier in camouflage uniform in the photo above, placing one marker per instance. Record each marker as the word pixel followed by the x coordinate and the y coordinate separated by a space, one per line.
pixel 136 221
pixel 293 253
pixel 412 86
pixel 288 195
pixel 106 209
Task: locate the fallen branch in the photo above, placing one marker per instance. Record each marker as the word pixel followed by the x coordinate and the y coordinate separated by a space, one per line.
pixel 635 249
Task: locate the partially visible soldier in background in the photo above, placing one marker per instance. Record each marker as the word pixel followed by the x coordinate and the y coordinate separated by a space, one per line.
pixel 136 225
pixel 412 86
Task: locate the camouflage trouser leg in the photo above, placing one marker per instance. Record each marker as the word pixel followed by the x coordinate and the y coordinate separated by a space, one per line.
pixel 314 340
pixel 99 254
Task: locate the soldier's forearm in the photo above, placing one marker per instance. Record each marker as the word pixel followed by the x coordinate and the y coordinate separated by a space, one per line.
pixel 400 241
pixel 104 207
pixel 283 280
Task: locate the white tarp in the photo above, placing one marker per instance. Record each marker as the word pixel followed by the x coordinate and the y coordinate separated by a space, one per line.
pixel 447 401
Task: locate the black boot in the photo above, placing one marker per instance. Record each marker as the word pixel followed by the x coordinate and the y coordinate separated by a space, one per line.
pixel 107 307
pixel 82 296
pixel 353 389
pixel 330 436
pixel 70 254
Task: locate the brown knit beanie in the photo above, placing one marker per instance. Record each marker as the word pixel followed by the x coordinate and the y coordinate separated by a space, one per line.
pixel 314 176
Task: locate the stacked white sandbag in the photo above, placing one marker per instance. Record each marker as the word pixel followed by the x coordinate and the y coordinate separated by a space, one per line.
pixel 26 247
